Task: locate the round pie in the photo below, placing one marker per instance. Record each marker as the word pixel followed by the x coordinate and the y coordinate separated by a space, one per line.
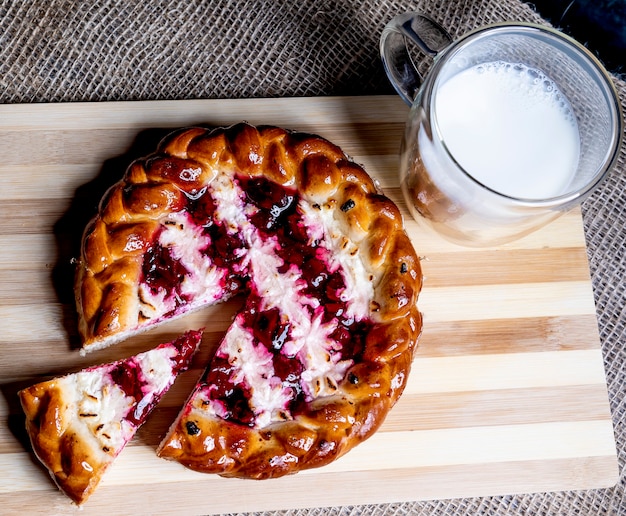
pixel 323 343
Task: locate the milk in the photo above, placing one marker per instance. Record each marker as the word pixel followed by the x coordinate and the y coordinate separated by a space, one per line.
pixel 510 128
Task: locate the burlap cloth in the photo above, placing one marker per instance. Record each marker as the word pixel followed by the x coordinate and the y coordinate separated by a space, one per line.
pixel 53 51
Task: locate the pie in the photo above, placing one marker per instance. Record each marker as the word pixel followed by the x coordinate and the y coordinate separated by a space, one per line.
pixel 79 423
pixel 323 343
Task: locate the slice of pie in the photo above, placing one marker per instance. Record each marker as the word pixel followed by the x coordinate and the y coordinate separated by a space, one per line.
pixel 323 343
pixel 79 423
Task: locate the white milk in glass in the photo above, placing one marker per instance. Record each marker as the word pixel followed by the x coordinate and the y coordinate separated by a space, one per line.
pixel 510 128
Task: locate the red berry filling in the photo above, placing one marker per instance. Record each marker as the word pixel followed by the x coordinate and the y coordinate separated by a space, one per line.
pixel 231 398
pixel 273 211
pixel 225 248
pixel 161 271
pixel 128 375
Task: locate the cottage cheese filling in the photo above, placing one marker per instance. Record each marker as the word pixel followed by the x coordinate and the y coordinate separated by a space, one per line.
pixel 280 285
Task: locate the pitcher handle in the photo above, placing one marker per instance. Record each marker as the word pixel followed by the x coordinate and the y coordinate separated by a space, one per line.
pixel 426 33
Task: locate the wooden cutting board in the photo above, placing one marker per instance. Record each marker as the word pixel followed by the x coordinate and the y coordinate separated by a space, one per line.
pixel 507 393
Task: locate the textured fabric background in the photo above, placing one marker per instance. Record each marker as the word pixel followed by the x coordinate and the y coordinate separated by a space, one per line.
pixel 62 51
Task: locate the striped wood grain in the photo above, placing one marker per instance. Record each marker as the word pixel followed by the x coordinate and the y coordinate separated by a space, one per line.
pixel 507 392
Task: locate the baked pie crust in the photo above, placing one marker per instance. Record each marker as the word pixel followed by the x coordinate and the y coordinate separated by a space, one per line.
pixel 79 423
pixel 323 344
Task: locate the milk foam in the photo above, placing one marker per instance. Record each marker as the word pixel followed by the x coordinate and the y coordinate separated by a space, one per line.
pixel 510 128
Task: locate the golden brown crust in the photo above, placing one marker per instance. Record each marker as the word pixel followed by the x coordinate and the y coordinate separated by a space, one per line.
pixel 54 442
pixel 326 430
pixel 186 162
pixel 80 422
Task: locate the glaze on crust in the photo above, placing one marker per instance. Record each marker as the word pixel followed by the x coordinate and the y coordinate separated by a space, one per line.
pixel 79 423
pixel 352 228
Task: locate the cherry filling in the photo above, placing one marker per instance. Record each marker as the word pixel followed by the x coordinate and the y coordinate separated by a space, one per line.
pixel 225 252
pixel 201 207
pixel 225 248
pixel 267 195
pixel 186 345
pixel 160 270
pixel 128 376
pixel 278 218
pixel 267 327
pixel 272 331
pixel 232 398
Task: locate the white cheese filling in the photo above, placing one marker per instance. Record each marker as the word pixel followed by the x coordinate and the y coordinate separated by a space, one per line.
pixel 310 338
pixel 359 290
pixel 99 407
pixel 255 368
pixel 203 283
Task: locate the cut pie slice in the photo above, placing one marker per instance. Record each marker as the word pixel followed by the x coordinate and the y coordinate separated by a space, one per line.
pixel 79 423
pixel 323 344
